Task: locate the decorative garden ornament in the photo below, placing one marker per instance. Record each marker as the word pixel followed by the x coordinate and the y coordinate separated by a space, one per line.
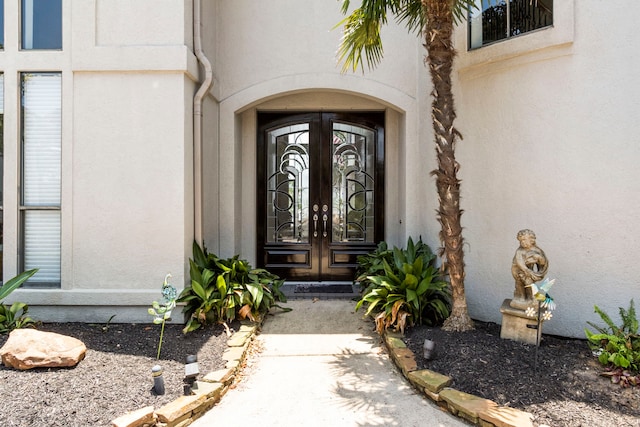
pixel 529 266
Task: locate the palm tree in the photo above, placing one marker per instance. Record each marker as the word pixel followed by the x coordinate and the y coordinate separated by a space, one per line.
pixel 434 21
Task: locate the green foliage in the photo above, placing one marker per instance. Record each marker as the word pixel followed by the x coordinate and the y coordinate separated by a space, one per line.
pixel 372 264
pixel 362 27
pixel 403 286
pixel 15 316
pixel 617 346
pixel 222 290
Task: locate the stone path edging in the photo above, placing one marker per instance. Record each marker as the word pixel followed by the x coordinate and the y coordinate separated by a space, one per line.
pixel 185 409
pixel 210 389
pixel 479 411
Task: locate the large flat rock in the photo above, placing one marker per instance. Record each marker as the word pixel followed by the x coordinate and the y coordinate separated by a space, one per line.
pixel 30 348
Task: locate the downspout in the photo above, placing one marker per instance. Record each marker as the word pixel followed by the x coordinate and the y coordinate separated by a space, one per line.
pixel 197 120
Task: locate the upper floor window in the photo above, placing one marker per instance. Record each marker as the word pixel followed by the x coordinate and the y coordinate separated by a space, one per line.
pixel 495 20
pixel 41 22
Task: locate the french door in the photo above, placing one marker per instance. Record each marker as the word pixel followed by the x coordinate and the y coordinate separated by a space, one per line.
pixel 320 192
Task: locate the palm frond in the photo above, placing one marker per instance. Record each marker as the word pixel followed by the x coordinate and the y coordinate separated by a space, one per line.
pixel 361 34
pixel 461 8
pixel 361 41
pixel 411 13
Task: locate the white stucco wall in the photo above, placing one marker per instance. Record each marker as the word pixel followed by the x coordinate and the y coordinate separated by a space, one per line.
pixel 540 150
pixel 269 58
pixel 550 144
pixel 127 203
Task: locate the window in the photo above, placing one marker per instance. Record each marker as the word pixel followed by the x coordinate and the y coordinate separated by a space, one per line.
pixel 41 130
pixel 496 20
pixel 41 24
pixel 1 24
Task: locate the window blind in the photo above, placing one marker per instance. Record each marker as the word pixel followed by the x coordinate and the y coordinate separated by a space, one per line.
pixel 41 174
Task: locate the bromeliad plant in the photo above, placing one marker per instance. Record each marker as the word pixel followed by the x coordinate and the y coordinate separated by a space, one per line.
pixel 161 311
pixel 222 290
pixel 15 316
pixel 617 347
pixel 403 286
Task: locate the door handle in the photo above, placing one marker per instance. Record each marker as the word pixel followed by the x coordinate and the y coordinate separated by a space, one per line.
pixel 325 208
pixel 315 221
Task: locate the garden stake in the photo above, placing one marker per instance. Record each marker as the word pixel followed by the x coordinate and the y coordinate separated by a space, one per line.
pixel 538 333
pixel 191 372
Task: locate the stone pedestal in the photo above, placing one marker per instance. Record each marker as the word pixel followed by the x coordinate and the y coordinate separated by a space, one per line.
pixel 517 326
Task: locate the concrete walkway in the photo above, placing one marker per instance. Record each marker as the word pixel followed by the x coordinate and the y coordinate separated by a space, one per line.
pixel 322 365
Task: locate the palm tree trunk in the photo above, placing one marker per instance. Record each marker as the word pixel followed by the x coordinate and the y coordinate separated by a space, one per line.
pixel 440 53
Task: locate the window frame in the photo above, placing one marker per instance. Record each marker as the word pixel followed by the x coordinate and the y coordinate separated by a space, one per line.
pixel 21 24
pixel 24 208
pixel 540 45
pixel 508 30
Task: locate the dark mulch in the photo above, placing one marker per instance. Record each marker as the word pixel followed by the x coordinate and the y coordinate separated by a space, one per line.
pixel 564 390
pixel 114 377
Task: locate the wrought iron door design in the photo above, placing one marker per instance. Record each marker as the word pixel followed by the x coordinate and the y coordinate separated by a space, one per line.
pixel 320 192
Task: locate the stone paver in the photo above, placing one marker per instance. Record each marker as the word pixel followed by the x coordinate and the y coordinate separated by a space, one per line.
pixel 466 405
pixel 429 380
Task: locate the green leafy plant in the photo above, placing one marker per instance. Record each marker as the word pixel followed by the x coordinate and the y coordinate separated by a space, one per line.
pixel 404 287
pixel 161 311
pixel 222 290
pixel 371 264
pixel 15 316
pixel 617 347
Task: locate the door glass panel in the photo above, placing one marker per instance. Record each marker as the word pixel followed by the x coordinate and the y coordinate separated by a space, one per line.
pixel 288 184
pixel 353 158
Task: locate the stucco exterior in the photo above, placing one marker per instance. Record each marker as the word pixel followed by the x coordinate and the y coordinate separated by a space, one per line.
pixel 547 120
pixel 550 145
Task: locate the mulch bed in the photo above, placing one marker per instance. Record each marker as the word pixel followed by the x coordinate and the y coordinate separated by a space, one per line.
pixel 114 378
pixel 564 388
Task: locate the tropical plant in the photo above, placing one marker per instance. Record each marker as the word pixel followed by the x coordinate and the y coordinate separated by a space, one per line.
pixel 408 290
pixel 15 316
pixel 161 311
pixel 617 347
pixel 371 264
pixel 433 20
pixel 222 290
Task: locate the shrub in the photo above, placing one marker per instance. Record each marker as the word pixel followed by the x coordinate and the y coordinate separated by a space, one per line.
pixel 222 290
pixel 15 316
pixel 403 286
pixel 617 347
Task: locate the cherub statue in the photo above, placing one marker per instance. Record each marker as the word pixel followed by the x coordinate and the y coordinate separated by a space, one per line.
pixel 529 266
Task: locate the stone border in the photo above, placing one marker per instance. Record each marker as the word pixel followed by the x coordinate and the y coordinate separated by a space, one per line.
pixel 185 409
pixel 476 410
pixel 210 389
